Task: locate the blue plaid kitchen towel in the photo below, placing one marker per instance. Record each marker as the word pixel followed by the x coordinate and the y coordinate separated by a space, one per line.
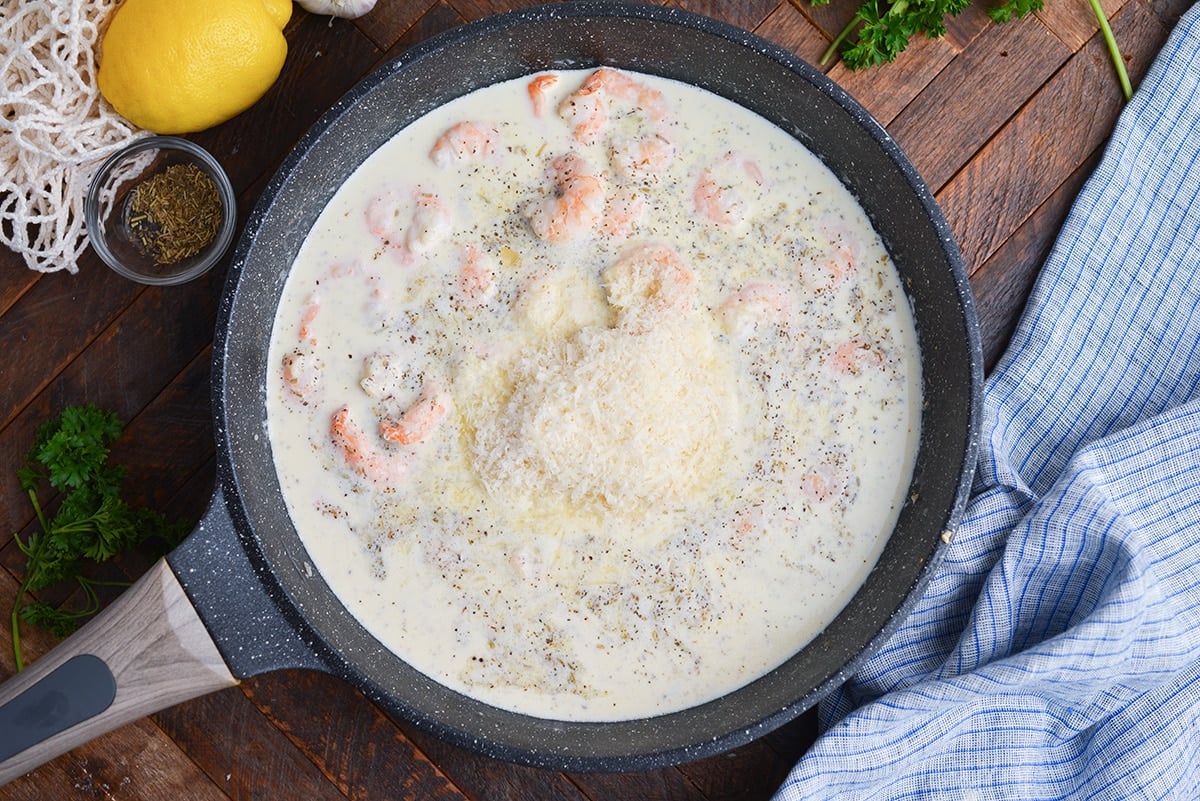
pixel 1056 652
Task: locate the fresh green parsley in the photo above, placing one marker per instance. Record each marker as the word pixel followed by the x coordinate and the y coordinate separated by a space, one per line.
pixel 91 524
pixel 1013 9
pixel 1114 52
pixel 880 30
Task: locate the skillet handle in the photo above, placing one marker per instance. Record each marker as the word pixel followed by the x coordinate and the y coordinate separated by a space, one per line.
pixel 147 651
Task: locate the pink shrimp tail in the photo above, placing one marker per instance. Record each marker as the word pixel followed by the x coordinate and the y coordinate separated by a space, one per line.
pixel 417 422
pixel 537 92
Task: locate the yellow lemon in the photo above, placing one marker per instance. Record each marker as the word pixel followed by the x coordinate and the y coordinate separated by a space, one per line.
pixel 178 66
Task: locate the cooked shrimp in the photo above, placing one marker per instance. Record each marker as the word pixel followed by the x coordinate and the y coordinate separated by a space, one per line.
pixel 538 88
pixel 477 274
pixel 854 356
pixel 418 421
pixel 642 158
pixel 375 297
pixel 588 108
pixel 429 223
pixel 383 216
pixel 754 304
pixel 341 270
pixel 384 376
pixel 746 521
pixel 822 483
pixel 302 372
pixel 368 462
pixel 649 278
pixel 559 303
pixel 722 194
pixel 839 260
pixel 465 142
pixel 830 480
pixel 624 212
pixel 575 203
pixel 312 306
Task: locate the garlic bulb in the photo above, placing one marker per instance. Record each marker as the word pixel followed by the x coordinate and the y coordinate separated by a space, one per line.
pixel 348 9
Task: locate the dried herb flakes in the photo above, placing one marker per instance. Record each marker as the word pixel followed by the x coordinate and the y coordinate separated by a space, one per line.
pixel 175 214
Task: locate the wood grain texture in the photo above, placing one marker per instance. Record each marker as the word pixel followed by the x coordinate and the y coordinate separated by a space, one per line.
pixel 137 761
pixel 1002 284
pixel 157 650
pixel 1058 129
pixel 397 768
pixel 1005 123
pixel 1005 62
pixel 76 311
pixel 1075 23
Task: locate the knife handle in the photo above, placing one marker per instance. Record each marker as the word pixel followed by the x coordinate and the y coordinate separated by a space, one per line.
pixel 147 651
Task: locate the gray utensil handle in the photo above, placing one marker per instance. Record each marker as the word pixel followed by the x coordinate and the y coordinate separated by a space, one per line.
pixel 146 652
pixel 78 689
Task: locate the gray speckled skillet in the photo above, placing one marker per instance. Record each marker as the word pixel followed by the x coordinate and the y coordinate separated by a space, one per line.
pixel 251 601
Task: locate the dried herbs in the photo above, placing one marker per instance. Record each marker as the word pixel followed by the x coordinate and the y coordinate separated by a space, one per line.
pixel 175 214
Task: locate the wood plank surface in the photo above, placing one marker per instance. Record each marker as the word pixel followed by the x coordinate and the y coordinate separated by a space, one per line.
pixel 1005 123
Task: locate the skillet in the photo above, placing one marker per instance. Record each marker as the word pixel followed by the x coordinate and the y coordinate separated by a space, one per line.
pixel 239 597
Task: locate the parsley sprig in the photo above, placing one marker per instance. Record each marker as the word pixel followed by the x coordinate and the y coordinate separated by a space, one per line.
pixel 881 29
pixel 1114 52
pixel 91 524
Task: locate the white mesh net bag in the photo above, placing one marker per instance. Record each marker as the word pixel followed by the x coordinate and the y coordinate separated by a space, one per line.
pixel 55 129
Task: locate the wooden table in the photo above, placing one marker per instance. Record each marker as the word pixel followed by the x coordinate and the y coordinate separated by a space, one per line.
pixel 1004 122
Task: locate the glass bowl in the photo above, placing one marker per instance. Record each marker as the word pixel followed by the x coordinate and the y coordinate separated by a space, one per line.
pixel 153 216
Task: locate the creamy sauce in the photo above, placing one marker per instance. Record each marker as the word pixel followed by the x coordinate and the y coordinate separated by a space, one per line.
pixel 597 396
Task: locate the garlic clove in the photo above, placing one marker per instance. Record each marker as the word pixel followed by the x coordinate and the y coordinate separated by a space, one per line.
pixel 347 9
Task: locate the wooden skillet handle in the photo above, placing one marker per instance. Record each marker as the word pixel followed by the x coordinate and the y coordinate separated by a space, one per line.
pixel 146 652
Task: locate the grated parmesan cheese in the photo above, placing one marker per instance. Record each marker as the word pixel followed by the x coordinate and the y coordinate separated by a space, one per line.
pixel 614 422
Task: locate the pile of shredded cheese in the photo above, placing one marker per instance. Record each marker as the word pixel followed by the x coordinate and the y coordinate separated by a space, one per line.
pixel 613 422
pixel 55 128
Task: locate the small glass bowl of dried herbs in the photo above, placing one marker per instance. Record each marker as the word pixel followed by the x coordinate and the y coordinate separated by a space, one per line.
pixel 161 211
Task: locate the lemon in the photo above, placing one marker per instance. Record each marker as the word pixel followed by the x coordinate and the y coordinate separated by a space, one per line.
pixel 179 66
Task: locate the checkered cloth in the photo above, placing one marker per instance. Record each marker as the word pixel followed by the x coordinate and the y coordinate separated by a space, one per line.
pixel 1056 652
